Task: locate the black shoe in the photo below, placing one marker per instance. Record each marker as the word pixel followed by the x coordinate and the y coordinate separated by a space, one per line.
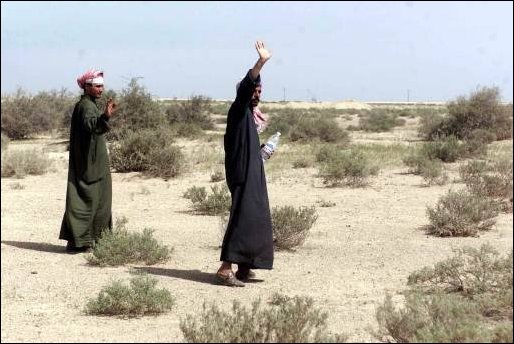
pixel 244 274
pixel 72 249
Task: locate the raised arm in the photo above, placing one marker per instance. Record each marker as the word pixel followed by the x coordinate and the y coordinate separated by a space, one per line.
pixel 264 56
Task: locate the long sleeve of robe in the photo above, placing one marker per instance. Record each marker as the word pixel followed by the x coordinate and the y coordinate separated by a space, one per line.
pixel 249 238
pixel 89 188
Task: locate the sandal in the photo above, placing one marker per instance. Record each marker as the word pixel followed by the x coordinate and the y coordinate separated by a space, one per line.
pixel 229 280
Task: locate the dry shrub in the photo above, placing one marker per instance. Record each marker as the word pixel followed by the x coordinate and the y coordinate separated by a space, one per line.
pixel 481 111
pixel 430 169
pixel 466 298
pixel 20 163
pixel 217 176
pixel 147 151
pixel 380 121
pixel 493 180
pixel 286 320
pixel 139 299
pixel 195 111
pixel 137 110
pixel 24 115
pixel 216 203
pixel 323 129
pixel 119 247
pixel 291 226
pixel 460 213
pixel 349 168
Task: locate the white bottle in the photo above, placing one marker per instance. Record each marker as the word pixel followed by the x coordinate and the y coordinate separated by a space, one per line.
pixel 270 146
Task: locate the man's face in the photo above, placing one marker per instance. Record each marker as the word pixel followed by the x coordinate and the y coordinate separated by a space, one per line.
pixel 256 97
pixel 94 90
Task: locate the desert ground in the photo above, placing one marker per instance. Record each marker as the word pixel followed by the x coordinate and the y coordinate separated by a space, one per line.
pixel 358 250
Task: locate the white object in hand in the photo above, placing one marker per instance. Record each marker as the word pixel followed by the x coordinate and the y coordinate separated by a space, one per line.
pixel 270 146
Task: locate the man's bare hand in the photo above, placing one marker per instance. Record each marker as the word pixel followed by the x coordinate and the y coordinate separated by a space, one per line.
pixel 110 107
pixel 264 54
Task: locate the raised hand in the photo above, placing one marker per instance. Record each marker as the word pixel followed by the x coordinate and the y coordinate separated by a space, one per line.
pixel 264 54
pixel 110 107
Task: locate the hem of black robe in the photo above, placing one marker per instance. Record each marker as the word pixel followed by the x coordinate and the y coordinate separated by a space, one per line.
pixel 66 234
pixel 251 263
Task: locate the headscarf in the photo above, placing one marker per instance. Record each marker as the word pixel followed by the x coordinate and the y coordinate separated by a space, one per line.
pixel 91 77
pixel 260 118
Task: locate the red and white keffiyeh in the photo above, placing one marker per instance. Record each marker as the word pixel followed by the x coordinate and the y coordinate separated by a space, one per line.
pixel 95 77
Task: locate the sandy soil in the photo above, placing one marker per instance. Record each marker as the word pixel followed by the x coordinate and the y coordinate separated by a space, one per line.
pixel 360 249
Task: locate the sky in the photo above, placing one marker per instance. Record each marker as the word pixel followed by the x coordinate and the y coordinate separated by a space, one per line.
pixel 322 51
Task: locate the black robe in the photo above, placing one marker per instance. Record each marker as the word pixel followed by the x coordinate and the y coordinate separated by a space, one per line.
pixel 249 237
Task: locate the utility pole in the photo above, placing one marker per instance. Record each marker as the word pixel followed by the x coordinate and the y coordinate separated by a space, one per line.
pixel 408 95
pixel 284 94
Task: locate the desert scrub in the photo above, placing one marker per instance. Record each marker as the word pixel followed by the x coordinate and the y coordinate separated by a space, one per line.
pixel 469 272
pixel 19 163
pixel 147 151
pixel 379 121
pixel 347 168
pixel 465 298
pixel 139 299
pixel 217 176
pixel 216 203
pixel 430 169
pixel 492 180
pixel 5 141
pixel 291 226
pixel 119 247
pixel 194 111
pixel 286 320
pixel 460 213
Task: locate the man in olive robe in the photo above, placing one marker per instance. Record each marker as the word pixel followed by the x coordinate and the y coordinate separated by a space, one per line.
pixel 248 240
pixel 89 189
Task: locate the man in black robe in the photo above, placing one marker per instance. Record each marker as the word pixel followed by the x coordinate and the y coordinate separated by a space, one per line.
pixel 89 191
pixel 248 240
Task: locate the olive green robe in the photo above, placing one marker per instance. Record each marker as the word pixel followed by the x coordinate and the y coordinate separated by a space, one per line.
pixel 89 191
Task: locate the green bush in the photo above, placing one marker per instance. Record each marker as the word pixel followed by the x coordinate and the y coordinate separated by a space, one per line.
pixel 291 226
pixel 448 149
pixel 137 110
pixel 348 168
pixel 291 320
pixel 147 151
pixel 196 110
pixel 482 110
pixel 434 318
pixel 19 163
pixel 431 127
pixel 379 121
pixel 460 213
pixel 323 129
pixel 217 203
pixel 188 130
pixel 119 247
pixel 141 298
pixel 327 153
pixel 24 115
